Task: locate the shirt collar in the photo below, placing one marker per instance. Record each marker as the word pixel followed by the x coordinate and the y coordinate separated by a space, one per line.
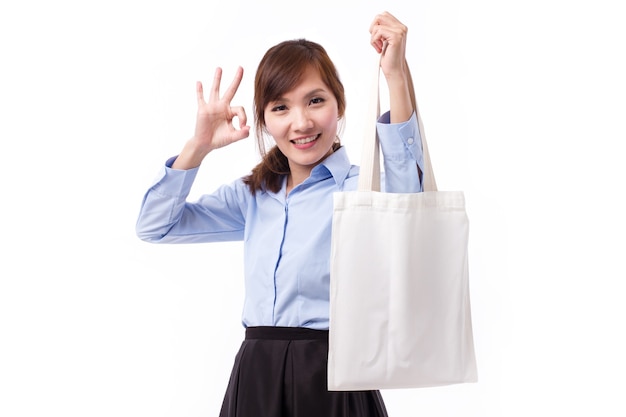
pixel 336 164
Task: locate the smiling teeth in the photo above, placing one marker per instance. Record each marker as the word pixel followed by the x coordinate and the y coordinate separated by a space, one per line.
pixel 305 140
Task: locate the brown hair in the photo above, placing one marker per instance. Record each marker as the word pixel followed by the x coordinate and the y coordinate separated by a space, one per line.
pixel 279 71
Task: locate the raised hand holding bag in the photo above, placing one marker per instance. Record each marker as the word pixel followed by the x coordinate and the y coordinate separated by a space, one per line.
pixel 399 293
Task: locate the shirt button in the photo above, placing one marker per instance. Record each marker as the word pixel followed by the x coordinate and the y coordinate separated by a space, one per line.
pixel 410 141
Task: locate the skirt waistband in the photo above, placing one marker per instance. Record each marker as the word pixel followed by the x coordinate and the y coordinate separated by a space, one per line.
pixel 285 333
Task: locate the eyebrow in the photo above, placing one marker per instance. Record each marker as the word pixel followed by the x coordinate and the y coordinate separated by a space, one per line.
pixel 316 91
pixel 307 95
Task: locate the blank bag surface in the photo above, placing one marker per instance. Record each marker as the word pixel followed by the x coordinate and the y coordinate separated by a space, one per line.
pixel 400 312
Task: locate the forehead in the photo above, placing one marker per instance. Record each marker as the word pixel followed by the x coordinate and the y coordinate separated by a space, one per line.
pixel 309 81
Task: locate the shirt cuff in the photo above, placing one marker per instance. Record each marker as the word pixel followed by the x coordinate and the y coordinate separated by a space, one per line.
pixel 174 182
pixel 400 141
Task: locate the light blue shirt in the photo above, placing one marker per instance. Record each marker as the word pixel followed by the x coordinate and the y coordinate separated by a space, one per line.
pixel 286 237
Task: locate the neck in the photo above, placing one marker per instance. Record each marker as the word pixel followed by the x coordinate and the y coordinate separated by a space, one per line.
pixel 296 178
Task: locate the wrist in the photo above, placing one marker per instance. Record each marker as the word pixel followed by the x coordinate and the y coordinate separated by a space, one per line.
pixel 397 80
pixel 191 156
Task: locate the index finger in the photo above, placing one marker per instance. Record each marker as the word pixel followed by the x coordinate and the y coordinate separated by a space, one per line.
pixel 384 18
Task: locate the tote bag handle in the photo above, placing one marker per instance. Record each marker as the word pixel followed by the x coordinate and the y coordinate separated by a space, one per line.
pixel 369 176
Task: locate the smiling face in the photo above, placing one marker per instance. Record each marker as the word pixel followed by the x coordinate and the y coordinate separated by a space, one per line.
pixel 303 123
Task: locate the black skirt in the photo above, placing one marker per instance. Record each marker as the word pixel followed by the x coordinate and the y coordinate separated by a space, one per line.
pixel 282 372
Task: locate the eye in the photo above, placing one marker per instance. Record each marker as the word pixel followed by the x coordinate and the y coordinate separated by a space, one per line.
pixel 280 107
pixel 317 100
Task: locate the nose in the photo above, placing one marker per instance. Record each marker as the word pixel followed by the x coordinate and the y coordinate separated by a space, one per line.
pixel 302 120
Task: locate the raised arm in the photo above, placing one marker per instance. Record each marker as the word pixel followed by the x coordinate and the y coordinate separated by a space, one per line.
pixel 388 37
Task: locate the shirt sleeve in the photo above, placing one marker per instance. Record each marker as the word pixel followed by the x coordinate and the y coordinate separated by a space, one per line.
pixel 403 158
pixel 166 216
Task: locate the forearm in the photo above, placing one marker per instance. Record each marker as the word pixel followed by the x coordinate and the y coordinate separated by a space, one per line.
pixel 163 203
pixel 400 105
pixel 191 156
pixel 166 217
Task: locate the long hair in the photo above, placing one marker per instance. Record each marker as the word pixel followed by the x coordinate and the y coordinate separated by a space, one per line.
pixel 279 71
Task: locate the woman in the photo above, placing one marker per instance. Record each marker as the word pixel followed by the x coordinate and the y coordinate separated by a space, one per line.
pixel 282 211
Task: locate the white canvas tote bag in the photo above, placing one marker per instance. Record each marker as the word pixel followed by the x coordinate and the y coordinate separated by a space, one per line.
pixel 399 290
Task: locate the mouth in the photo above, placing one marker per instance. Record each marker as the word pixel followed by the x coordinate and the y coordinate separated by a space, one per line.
pixel 304 141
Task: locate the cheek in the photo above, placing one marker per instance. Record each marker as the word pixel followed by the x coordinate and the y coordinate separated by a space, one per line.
pixel 330 120
pixel 272 126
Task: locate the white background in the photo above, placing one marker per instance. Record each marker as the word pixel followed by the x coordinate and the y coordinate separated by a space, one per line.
pixel 523 105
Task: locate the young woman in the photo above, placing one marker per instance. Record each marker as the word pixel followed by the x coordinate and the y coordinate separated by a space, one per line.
pixel 282 211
